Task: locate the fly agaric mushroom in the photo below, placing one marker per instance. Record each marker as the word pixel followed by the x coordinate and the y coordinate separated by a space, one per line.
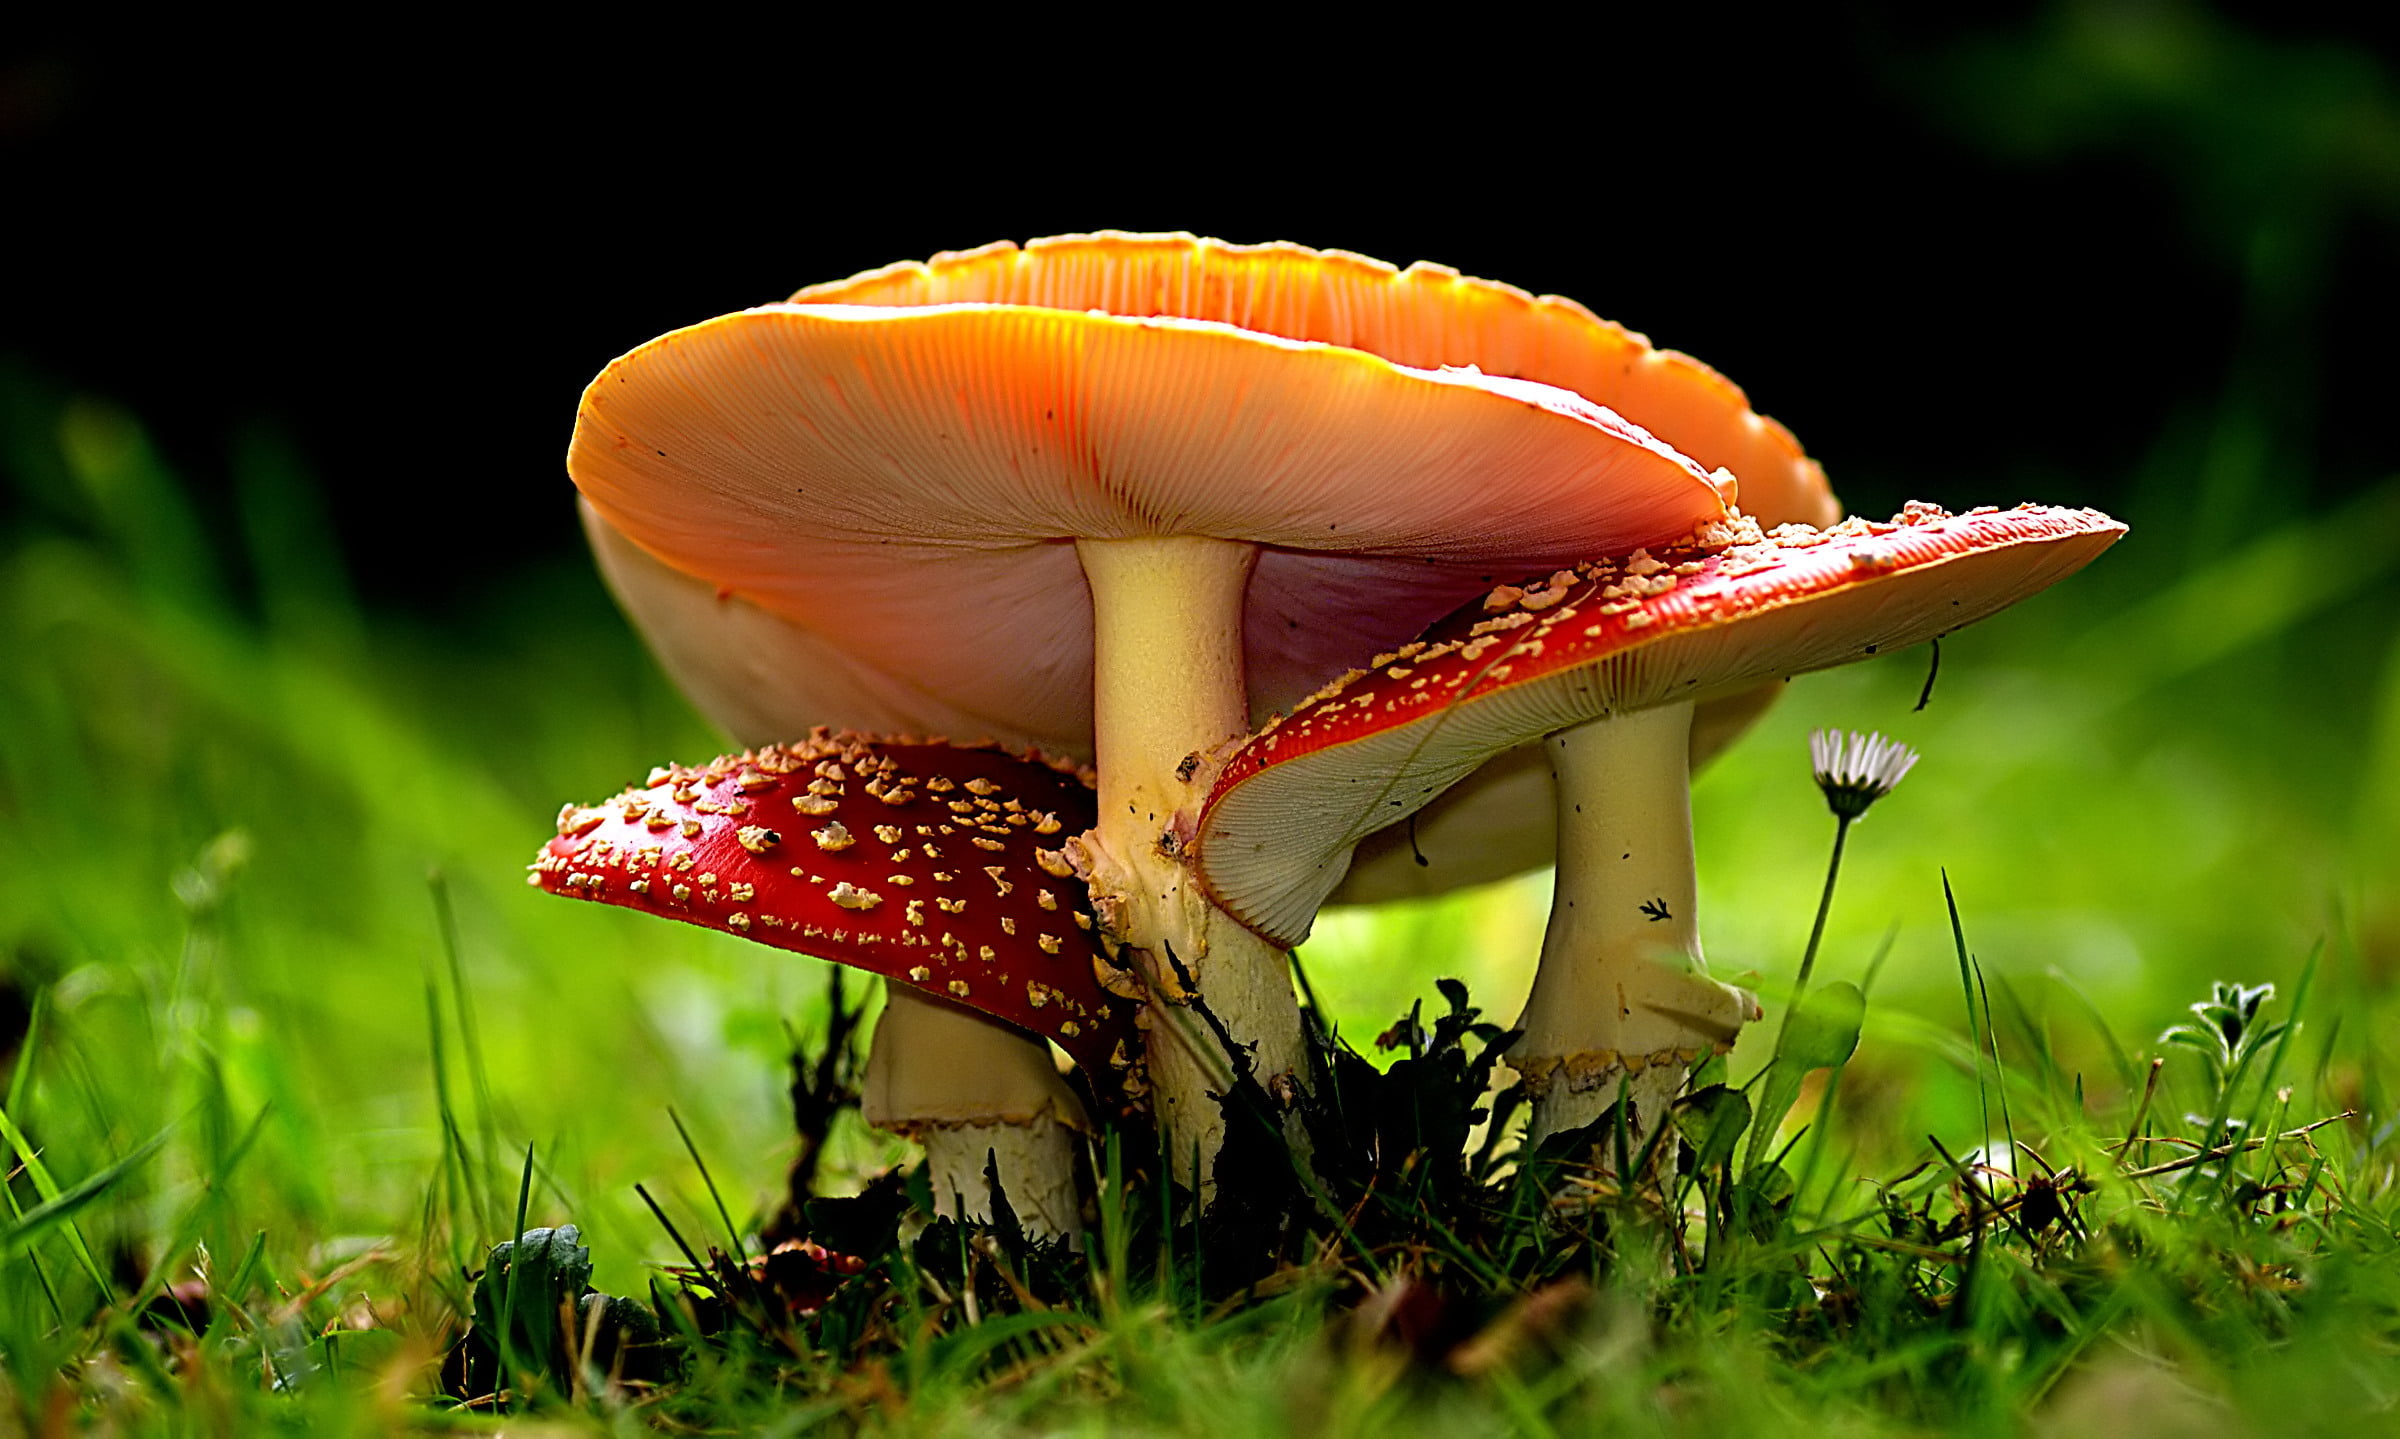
pixel 1603 664
pixel 937 866
pixel 1110 529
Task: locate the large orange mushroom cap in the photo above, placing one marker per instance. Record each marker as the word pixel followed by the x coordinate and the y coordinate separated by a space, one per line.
pixel 901 483
pixel 1306 619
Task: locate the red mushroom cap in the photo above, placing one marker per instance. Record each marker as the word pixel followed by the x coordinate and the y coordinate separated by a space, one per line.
pixel 1728 608
pixel 934 865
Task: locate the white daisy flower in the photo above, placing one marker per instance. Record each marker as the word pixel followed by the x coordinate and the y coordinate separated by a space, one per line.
pixel 1856 772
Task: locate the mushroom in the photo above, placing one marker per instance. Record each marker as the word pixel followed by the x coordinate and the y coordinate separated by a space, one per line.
pixel 1603 663
pixel 936 866
pixel 1112 530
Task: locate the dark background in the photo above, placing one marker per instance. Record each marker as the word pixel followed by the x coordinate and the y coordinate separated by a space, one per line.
pixel 1998 255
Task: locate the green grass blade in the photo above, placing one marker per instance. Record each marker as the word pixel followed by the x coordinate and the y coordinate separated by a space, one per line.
pixel 41 1275
pixel 2008 1127
pixel 516 1266
pixel 1966 985
pixel 733 1236
pixel 60 1205
pixel 48 1188
pixel 20 1081
pixel 470 1037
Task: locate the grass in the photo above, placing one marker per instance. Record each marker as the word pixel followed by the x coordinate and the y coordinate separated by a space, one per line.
pixel 296 1047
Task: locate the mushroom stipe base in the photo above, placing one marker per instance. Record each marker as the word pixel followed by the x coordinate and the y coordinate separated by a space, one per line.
pixel 1035 1165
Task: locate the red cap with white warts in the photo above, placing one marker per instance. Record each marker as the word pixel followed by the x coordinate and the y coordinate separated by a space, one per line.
pixel 933 865
pixel 1728 607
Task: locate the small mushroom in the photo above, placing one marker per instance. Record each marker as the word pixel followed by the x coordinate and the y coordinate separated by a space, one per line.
pixel 1603 664
pixel 924 863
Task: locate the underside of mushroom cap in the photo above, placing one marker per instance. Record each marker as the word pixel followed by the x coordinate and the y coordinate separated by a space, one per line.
pixel 1499 822
pixel 759 677
pixel 934 865
pixel 1426 316
pixel 901 483
pixel 1729 608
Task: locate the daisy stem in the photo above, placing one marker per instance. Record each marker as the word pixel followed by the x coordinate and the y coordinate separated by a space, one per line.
pixel 1808 964
pixel 1816 933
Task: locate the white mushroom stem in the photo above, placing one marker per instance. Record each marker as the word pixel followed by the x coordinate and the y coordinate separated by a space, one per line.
pixel 1167 683
pixel 971 1090
pixel 1622 999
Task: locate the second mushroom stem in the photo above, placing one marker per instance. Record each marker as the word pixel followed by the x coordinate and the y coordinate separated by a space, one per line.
pixel 1622 1001
pixel 977 1093
pixel 1168 683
